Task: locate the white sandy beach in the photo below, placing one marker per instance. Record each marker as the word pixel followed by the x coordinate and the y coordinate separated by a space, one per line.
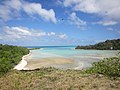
pixel 21 65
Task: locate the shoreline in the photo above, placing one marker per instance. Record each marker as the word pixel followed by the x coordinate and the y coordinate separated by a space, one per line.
pixel 80 66
pixel 21 65
pixel 25 64
pixel 28 63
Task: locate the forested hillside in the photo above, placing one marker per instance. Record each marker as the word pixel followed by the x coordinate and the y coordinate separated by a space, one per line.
pixel 107 45
pixel 10 56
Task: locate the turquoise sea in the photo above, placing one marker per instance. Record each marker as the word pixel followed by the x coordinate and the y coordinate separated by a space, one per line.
pixel 82 58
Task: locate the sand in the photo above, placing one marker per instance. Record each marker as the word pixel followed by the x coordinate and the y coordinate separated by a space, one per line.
pixel 29 64
pixel 46 62
pixel 21 65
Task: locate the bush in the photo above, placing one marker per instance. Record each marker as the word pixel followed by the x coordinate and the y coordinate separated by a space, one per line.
pixel 108 66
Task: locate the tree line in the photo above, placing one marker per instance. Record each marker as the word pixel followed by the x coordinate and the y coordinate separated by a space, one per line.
pixel 10 56
pixel 107 45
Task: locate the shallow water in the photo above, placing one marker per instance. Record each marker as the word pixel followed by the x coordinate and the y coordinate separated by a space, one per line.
pixel 82 58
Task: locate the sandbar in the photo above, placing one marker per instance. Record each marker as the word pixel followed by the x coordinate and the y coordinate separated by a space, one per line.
pixel 46 62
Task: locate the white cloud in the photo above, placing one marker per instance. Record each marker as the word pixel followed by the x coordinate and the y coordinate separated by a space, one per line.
pixel 40 34
pixel 20 32
pixel 82 5
pixel 59 2
pixel 88 6
pixel 24 33
pixel 107 23
pixel 17 30
pixel 75 20
pixel 51 34
pixel 10 9
pixel 33 8
pixel 113 30
pixel 62 36
pixel 4 13
pixel 70 2
pixel 13 4
pixel 109 10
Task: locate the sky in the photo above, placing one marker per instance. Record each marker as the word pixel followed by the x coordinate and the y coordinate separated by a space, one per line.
pixel 58 22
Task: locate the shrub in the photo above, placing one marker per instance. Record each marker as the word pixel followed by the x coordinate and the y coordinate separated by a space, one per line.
pixel 108 66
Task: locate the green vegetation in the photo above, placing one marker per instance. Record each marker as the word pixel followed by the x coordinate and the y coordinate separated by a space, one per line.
pixel 10 56
pixel 107 45
pixel 109 67
pixel 33 48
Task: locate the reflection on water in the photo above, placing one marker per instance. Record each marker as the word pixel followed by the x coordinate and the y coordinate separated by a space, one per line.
pixel 82 58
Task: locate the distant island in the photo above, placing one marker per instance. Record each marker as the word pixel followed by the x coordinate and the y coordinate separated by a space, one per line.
pixel 107 45
pixel 33 48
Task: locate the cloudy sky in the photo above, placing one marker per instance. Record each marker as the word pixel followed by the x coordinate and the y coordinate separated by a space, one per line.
pixel 58 22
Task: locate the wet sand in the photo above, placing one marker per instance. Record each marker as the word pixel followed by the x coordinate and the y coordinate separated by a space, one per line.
pixel 46 62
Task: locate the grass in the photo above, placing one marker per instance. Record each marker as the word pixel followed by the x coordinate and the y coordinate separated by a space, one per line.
pixel 56 79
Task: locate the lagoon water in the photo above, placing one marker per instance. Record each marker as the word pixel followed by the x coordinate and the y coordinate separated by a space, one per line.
pixel 81 58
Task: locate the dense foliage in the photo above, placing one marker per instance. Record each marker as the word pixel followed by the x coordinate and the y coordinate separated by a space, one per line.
pixel 10 56
pixel 107 45
pixel 109 67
